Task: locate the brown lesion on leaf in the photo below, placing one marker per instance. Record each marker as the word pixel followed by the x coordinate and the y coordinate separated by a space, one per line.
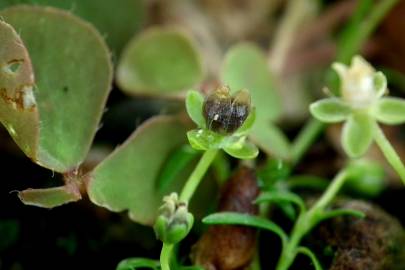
pixel 21 99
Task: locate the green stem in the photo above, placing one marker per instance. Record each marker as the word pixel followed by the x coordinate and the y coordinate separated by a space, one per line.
pixel 305 139
pixel 165 256
pixel 308 220
pixel 389 152
pixel 352 41
pixel 195 178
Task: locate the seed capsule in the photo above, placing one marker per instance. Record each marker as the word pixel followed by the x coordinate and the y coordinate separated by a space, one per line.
pixel 228 247
pixel 225 113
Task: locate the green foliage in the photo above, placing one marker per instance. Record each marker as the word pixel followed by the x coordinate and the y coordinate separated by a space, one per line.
pixel 245 67
pixel 234 144
pixel 232 218
pixel 136 263
pixel 390 111
pixel 146 68
pixel 102 14
pixel 357 134
pixel 127 179
pixel 330 110
pixel 50 197
pixel 66 126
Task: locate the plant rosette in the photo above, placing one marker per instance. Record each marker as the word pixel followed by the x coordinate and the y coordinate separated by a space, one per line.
pixel 361 105
pixel 223 122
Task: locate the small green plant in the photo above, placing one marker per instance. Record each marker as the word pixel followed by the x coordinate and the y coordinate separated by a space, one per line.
pixel 56 73
pixel 361 105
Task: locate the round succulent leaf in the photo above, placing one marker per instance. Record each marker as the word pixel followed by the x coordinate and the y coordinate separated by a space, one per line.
pixel 117 30
pixel 357 134
pixel 194 107
pixel 390 110
pixel 159 61
pixel 245 150
pixel 18 109
pixel 270 139
pixel 330 110
pixel 204 139
pixel 127 179
pixel 73 77
pixel 245 67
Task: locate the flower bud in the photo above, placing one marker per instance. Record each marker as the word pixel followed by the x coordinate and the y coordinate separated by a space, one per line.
pixel 174 221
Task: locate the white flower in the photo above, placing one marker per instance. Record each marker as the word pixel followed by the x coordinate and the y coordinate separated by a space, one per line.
pixel 361 85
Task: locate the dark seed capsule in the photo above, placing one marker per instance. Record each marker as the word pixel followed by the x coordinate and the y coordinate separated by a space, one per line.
pixel 225 247
pixel 225 113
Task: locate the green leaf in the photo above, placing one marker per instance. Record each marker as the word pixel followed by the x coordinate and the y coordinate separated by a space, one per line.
pixel 390 110
pixel 69 103
pixel 177 162
pixel 306 251
pixel 204 139
pixel 233 218
pixel 135 263
pixel 159 61
pixel 20 118
pixel 342 212
pixel 127 179
pixel 245 150
pixel 357 134
pixel 194 106
pixel 281 196
pixel 247 124
pixel 380 83
pixel 102 14
pixel 50 197
pixel 365 177
pixel 270 139
pixel 330 110
pixel 245 67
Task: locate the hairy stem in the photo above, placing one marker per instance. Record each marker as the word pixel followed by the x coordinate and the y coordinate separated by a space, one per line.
pixel 195 178
pixel 389 152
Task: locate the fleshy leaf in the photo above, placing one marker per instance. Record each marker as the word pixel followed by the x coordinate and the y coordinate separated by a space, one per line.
pixel 233 218
pixel 357 134
pixel 244 150
pixel 390 110
pixel 137 263
pixel 50 197
pixel 330 110
pixel 204 139
pixel 177 161
pixel 103 14
pixel 342 212
pixel 245 67
pixel 18 110
pixel 194 106
pixel 127 179
pixel 69 103
pixel 270 139
pixel 159 61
